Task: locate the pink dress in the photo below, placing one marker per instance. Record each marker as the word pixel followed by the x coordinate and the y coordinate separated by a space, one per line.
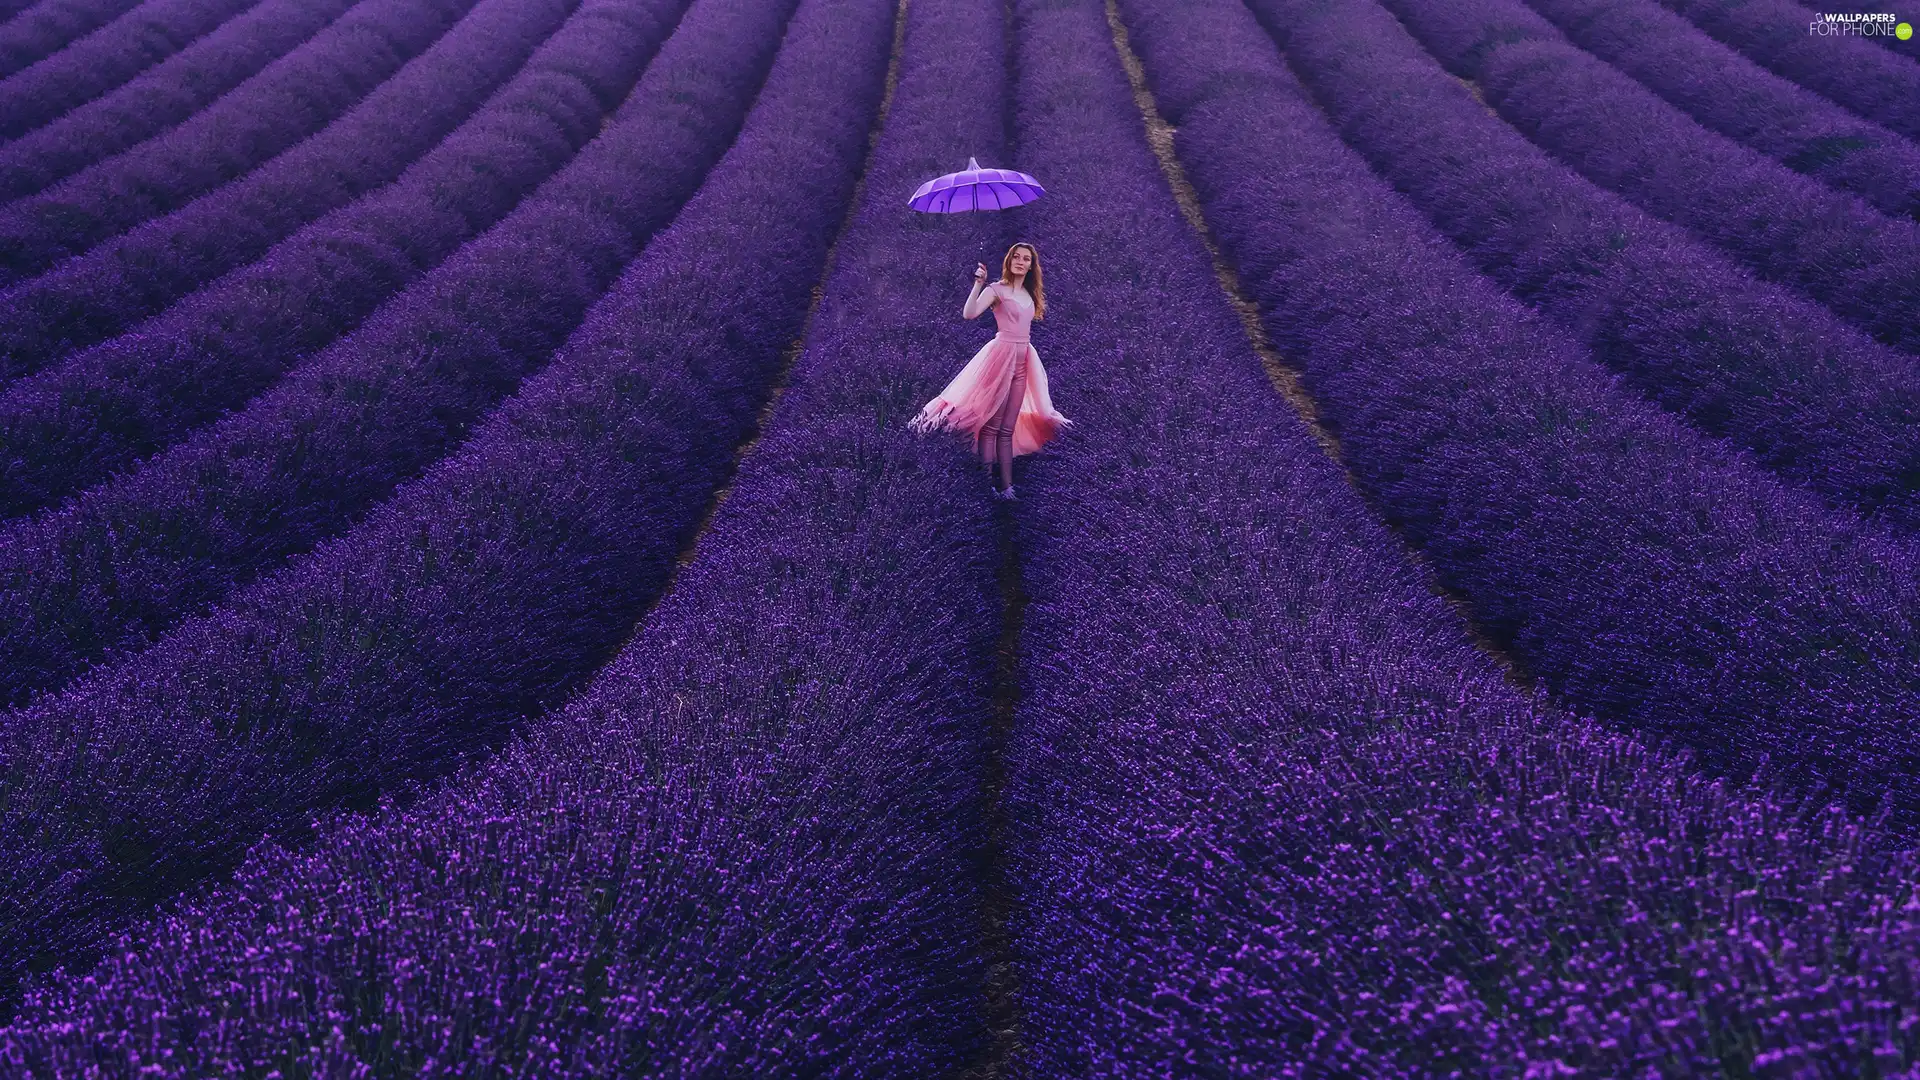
pixel 981 399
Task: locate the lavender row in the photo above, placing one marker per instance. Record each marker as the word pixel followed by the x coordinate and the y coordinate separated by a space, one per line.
pixel 95 295
pixel 1793 230
pixel 294 97
pixel 1814 399
pixel 124 560
pixel 1778 35
pixel 1645 573
pixel 52 26
pixel 10 8
pixel 1731 95
pixel 108 406
pixel 487 588
pixel 1273 815
pixel 171 92
pixel 763 819
pixel 101 61
pixel 1201 583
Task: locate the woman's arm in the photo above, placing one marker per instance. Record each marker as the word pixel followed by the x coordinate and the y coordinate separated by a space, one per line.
pixel 978 302
pixel 982 296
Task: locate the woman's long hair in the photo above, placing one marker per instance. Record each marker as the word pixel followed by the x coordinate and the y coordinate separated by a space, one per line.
pixel 1033 278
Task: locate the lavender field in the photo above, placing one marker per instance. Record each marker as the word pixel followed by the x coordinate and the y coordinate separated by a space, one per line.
pixel 472 605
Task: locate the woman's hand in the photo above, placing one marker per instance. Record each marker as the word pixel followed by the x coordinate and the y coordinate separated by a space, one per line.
pixel 979 300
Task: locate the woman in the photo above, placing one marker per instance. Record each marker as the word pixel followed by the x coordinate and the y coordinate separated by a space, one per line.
pixel 1000 396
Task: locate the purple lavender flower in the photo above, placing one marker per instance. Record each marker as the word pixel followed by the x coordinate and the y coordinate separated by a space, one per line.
pixel 493 584
pixel 95 295
pixel 293 98
pixel 108 58
pixel 51 26
pixel 1814 399
pixel 305 459
pixel 1791 229
pixel 1271 813
pixel 162 97
pixel 1741 100
pixel 673 846
pixel 108 406
pixel 1777 34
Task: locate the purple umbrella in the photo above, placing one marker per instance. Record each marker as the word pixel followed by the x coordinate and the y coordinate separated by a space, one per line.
pixel 975 188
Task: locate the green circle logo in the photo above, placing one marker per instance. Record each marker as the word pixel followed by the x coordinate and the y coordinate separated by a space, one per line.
pixel 1903 31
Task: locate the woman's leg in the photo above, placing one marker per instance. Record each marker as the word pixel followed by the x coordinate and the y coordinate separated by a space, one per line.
pixel 993 451
pixel 1009 416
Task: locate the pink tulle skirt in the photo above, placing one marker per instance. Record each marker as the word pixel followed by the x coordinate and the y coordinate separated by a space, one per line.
pixel 979 393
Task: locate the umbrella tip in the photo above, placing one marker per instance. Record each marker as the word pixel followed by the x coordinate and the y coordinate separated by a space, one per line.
pixel 972 164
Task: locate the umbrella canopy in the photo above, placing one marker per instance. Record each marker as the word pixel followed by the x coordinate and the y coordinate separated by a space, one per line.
pixel 975 188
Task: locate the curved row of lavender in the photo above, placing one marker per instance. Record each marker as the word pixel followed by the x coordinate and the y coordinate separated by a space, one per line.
pixel 1732 95
pixel 157 100
pixel 52 26
pixel 107 58
pixel 1815 399
pixel 1847 70
pixel 126 559
pixel 97 294
pixel 11 8
pixel 291 99
pixel 1790 228
pixel 1273 815
pixel 1644 572
pixel 105 407
pixel 751 847
pixel 484 590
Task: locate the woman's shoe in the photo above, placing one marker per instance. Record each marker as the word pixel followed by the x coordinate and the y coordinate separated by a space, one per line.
pixel 1006 493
